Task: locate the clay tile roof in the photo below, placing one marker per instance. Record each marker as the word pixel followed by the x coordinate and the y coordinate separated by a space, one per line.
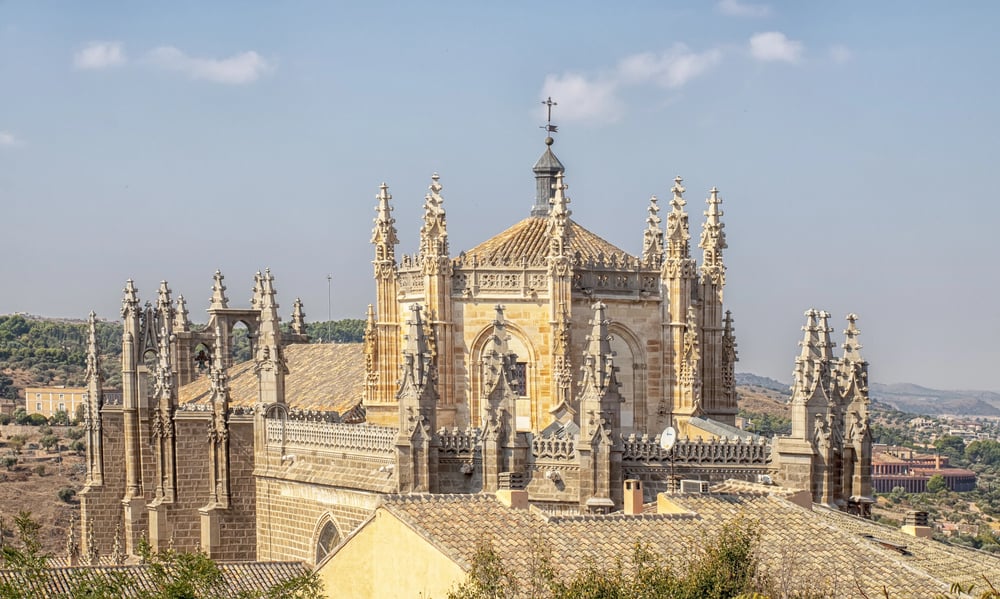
pixel 826 552
pixel 323 377
pixel 529 240
pixel 238 579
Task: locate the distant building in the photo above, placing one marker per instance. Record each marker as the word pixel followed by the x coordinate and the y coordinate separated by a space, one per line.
pixel 49 400
pixel 894 466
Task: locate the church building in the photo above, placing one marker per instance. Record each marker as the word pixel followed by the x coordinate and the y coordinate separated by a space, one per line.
pixel 543 363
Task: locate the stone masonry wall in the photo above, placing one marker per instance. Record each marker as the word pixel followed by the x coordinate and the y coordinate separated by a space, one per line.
pixel 237 526
pixel 192 482
pixel 102 505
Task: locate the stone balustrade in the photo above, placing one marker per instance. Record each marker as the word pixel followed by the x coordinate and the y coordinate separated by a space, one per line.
pixel 643 448
pixel 556 448
pixel 333 435
pixel 459 442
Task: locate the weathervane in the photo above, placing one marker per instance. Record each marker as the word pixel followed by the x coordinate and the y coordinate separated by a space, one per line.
pixel 549 127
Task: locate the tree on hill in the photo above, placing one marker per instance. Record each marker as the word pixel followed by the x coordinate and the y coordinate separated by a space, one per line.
pixel 951 446
pixel 936 484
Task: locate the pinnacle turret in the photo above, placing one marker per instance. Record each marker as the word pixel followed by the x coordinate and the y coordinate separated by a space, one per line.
pixel 130 301
pixel 93 352
pixel 598 366
pixel 678 235
pixel 257 289
pixel 219 299
pixel 434 232
pixel 713 241
pixel 181 322
pixel 384 236
pixel 418 367
pixel 559 220
pixel 298 318
pixel 217 372
pixel 498 360
pixel 652 239
pixel 852 348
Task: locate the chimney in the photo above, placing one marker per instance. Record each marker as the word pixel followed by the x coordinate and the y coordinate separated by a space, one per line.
pixel 633 497
pixel 511 492
pixel 917 524
pixel 937 461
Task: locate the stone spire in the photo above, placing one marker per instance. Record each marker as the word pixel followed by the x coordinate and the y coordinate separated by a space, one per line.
pixel 371 356
pixel 298 318
pixel 690 380
pixel 181 322
pixel 713 241
pixel 72 547
pixel 434 232
pixel 117 551
pixel 416 445
pixel 729 358
pixel 130 301
pixel 256 293
pixel 852 349
pixel 678 235
pixel 652 238
pixel 559 220
pixel 219 299
pixel 269 356
pixel 92 415
pixel 218 434
pixel 598 367
pixel 547 170
pixel 384 235
pixel 498 360
pixel 92 558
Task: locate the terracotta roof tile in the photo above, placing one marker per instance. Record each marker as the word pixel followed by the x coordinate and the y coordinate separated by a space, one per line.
pixel 528 240
pixel 816 548
pixel 324 377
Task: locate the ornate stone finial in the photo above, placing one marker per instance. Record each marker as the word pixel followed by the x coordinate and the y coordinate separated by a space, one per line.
pixel 163 303
pixel 181 322
pixel 678 235
pixel 598 359
pixel 130 301
pixel 558 226
pixel 498 360
pixel 713 241
pixel 219 299
pixel 164 375
pixel 93 352
pixel 72 547
pixel 117 552
pixel 692 353
pixel 418 364
pixel 258 288
pixel 92 558
pixel 824 346
pixel 384 236
pixel 217 372
pixel 652 238
pixel 434 232
pixel 729 355
pixel 852 348
pixel 298 318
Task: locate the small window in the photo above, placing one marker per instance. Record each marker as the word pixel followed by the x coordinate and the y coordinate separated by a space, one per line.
pixel 62 407
pixel 328 539
pixel 519 378
pixel 38 406
pixel 38 395
pixel 62 396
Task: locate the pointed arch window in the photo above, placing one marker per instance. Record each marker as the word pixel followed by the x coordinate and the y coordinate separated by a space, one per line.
pixel 327 540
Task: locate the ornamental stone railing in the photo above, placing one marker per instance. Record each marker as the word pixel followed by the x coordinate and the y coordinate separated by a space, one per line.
pixel 555 448
pixel 643 448
pixel 361 438
pixel 458 442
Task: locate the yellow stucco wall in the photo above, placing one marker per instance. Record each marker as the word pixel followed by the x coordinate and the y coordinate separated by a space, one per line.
pixel 386 559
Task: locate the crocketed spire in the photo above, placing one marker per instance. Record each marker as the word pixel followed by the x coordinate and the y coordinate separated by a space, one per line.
pixel 652 238
pixel 219 299
pixel 498 360
pixel 678 235
pixel 434 232
pixel 598 359
pixel 298 318
pixel 130 301
pixel 418 365
pixel 181 322
pixel 384 236
pixel 713 241
pixel 559 220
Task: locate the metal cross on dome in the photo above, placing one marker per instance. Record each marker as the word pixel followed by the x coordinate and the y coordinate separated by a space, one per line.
pixel 549 127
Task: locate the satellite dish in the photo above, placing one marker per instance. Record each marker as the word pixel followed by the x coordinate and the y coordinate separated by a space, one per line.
pixel 668 438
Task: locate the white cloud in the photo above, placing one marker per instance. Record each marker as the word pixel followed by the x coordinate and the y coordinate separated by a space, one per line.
pixel 583 99
pixel 840 54
pixel 238 69
pixel 8 139
pixel 597 97
pixel 100 55
pixel 671 69
pixel 735 8
pixel 775 46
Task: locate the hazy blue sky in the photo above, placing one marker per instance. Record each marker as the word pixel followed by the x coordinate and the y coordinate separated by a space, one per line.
pixel 855 145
